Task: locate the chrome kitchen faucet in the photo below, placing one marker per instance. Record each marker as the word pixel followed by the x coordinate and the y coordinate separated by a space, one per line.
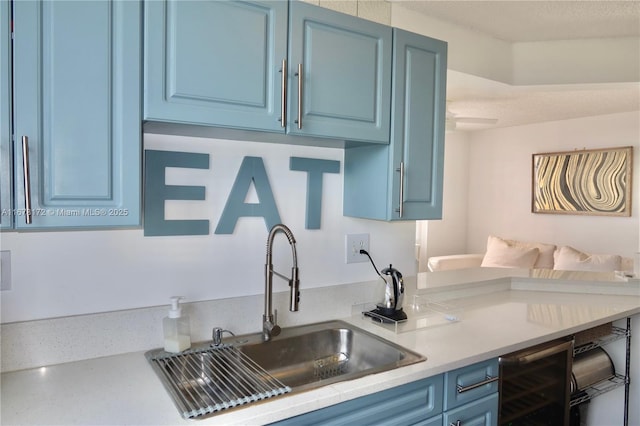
pixel 269 322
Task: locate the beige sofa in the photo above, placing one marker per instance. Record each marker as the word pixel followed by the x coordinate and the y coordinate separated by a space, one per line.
pixel 506 253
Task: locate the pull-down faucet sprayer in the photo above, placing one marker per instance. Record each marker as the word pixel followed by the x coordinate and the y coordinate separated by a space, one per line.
pixel 269 323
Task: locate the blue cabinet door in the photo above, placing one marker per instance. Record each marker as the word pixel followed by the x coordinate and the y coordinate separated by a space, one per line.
pixel 215 62
pixel 418 111
pixel 469 383
pixel 403 181
pixel 482 412
pixel 77 107
pixel 344 88
pixel 418 402
pixel 6 172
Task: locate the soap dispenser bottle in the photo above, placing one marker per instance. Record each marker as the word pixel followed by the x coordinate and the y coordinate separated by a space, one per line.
pixel 177 333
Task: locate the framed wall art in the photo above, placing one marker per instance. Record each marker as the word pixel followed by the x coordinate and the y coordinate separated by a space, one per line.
pixel 587 182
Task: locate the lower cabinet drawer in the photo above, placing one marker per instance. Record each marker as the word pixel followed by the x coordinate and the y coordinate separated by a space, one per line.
pixel 469 383
pixel 433 421
pixel 410 404
pixel 483 412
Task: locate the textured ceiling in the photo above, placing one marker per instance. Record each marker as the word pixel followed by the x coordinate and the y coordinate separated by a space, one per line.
pixel 537 20
pixel 474 97
pixel 526 21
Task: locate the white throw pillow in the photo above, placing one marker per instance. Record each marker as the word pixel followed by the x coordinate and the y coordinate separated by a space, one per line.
pixel 502 254
pixel 545 257
pixel 569 259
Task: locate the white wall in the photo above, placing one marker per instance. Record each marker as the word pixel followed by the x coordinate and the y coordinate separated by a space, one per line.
pixel 499 186
pixel 605 60
pixel 469 51
pixel 68 273
pixel 449 235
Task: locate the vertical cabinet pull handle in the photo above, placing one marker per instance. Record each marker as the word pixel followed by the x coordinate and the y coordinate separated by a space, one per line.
pixel 283 95
pixel 299 75
pixel 400 208
pixel 27 180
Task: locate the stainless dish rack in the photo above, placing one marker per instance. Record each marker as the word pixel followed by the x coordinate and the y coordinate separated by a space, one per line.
pixel 210 379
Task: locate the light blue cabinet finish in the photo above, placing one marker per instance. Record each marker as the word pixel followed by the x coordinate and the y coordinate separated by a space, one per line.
pixel 346 70
pixel 6 169
pixel 435 401
pixel 215 62
pixel 467 377
pixel 77 98
pixel 418 402
pixel 220 63
pixel 403 181
pixel 433 421
pixel 481 412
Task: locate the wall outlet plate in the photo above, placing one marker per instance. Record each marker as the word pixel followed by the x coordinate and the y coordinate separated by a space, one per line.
pixel 353 244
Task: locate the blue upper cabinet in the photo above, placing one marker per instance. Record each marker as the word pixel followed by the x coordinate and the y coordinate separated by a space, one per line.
pixel 344 86
pixel 215 62
pixel 77 113
pixel 6 173
pixel 419 112
pixel 403 181
pixel 234 64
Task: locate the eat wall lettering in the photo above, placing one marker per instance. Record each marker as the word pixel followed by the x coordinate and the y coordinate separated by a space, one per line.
pixel 251 172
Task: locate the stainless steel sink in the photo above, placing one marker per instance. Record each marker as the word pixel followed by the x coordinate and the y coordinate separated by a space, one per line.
pixel 314 355
pixel 207 379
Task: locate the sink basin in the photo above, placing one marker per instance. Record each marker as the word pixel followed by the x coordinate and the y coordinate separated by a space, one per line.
pixel 314 355
pixel 205 379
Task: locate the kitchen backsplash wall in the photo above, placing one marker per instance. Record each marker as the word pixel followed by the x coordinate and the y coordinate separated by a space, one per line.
pixel 57 274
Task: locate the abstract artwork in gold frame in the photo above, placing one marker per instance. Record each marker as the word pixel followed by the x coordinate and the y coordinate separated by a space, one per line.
pixel 587 182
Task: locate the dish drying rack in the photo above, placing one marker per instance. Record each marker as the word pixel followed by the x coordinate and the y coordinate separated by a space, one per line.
pixel 205 381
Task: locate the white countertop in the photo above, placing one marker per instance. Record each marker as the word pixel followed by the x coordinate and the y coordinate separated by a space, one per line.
pixel 499 318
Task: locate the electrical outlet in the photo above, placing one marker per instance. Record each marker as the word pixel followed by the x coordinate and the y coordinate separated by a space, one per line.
pixel 353 244
pixel 5 270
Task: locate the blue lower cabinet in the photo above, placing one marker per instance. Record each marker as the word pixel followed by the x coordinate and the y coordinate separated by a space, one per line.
pixel 467 396
pixel 417 403
pixel 482 412
pixel 433 421
pixel 470 383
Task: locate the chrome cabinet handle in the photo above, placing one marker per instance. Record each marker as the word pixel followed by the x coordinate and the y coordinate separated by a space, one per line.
pixel 27 180
pixel 283 95
pixel 400 208
pixel 489 379
pixel 299 75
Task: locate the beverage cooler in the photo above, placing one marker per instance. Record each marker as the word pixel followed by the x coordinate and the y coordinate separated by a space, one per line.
pixel 535 385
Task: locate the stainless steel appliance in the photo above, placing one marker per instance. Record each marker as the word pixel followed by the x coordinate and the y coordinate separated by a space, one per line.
pixel 390 309
pixel 535 384
pixel 590 368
